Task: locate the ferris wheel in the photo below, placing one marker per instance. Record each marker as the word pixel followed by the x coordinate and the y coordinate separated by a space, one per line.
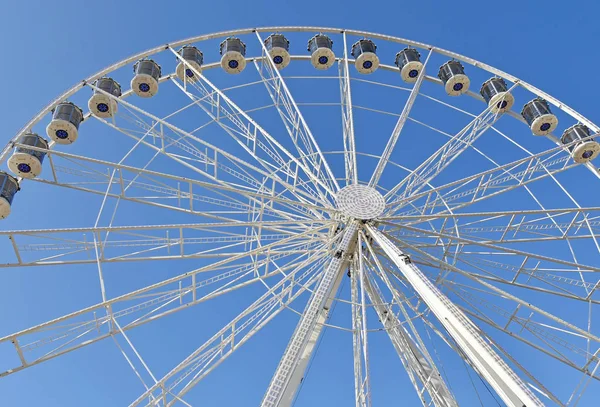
pixel 363 184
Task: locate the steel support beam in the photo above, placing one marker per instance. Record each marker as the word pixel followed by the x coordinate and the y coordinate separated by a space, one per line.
pixel 389 148
pixel 509 387
pixel 308 149
pixel 360 347
pixel 412 351
pixel 347 118
pixel 290 371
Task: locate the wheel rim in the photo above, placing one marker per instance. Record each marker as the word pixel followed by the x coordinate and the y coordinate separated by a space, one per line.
pixel 312 195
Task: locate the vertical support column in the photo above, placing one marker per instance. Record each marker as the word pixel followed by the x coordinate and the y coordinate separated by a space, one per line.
pixel 289 373
pixel 362 383
pixel 412 351
pixel 511 389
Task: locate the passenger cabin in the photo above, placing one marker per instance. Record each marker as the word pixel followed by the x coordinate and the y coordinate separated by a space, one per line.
pixel 64 126
pixel 278 48
pixel 452 74
pixel 145 79
pixel 365 54
pixel 582 147
pixel 409 62
pixel 102 105
pixel 495 92
pixel 9 186
pixel 321 49
pixel 539 117
pixel 26 162
pixel 193 58
pixel 233 59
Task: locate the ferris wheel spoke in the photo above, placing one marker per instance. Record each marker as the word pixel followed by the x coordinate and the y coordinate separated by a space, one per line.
pixel 444 156
pixel 205 159
pixel 231 337
pixel 60 247
pixel 86 174
pixel 249 134
pixel 539 336
pixel 515 233
pixel 504 249
pixel 552 280
pixel 202 157
pixel 540 214
pixel 347 118
pixel 240 131
pixel 306 145
pixel 417 361
pixel 589 165
pixel 208 161
pixel 481 153
pixel 541 388
pixel 489 183
pixel 189 200
pixel 81 328
pixel 501 377
pixel 526 274
pixel 272 161
pixel 537 328
pixel 389 148
pixel 538 232
pixel 539 226
pixel 146 250
pixel 565 191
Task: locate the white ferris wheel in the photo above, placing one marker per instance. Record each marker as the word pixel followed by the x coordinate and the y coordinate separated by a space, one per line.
pixel 369 177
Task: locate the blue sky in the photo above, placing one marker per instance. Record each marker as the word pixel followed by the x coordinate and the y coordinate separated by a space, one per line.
pixel 50 46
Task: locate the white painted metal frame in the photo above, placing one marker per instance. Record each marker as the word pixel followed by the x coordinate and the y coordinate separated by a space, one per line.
pixel 289 373
pixel 412 352
pixel 277 220
pixel 310 152
pixel 389 148
pixel 360 345
pixel 501 377
pixel 347 117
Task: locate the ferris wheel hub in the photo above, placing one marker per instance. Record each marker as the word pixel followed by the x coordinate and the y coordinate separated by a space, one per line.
pixel 360 202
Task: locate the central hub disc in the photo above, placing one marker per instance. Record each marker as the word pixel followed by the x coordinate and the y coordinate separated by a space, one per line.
pixel 360 202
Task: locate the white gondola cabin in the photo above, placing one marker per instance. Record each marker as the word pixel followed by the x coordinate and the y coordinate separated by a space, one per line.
pixel 64 126
pixel 538 115
pixel 409 62
pixel 9 186
pixel 366 59
pixel 233 59
pixel 26 162
pixel 452 74
pixel 145 79
pixel 321 51
pixel 584 149
pixel 278 48
pixel 194 59
pixel 495 92
pixel 102 105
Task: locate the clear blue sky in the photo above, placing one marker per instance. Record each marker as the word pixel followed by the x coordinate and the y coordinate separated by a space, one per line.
pixel 49 46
